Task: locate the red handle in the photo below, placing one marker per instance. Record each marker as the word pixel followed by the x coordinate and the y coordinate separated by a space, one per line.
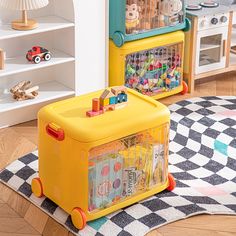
pixel 55 132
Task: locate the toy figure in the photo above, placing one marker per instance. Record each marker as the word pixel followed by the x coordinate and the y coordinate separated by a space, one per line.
pixel 132 18
pixel 171 12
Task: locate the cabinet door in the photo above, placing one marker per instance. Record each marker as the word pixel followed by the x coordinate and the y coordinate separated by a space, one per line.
pixel 211 50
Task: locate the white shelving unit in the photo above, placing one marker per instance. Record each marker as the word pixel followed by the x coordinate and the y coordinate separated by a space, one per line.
pixel 19 64
pixel 48 91
pixel 47 23
pixel 70 30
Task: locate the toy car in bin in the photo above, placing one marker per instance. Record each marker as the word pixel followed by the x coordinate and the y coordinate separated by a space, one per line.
pixel 94 160
pixel 37 54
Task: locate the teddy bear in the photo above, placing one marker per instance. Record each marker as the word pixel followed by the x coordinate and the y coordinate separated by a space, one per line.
pixel 132 18
pixel 170 12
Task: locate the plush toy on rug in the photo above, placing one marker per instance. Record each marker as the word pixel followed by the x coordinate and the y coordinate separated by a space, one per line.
pixel 24 91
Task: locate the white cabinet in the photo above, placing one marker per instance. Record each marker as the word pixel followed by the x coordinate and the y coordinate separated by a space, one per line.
pixel 75 33
pixel 211 50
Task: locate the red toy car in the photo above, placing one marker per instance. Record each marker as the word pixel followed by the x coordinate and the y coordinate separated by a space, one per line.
pixel 37 54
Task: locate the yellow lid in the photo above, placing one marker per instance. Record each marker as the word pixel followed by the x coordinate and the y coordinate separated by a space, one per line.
pixel 141 113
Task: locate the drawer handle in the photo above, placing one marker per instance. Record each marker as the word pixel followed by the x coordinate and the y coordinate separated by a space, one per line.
pixel 55 131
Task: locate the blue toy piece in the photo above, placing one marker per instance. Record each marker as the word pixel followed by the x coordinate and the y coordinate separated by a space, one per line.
pixel 113 100
pixel 122 97
pixel 129 22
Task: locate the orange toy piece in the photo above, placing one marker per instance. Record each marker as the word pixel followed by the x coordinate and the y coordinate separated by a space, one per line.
pixel 96 111
pixel 172 183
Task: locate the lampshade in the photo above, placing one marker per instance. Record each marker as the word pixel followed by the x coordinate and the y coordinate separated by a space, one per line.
pixel 23 4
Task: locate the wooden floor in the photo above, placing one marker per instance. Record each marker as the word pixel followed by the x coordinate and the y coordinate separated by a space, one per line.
pixel 18 217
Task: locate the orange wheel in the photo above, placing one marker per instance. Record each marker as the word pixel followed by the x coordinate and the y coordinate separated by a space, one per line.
pixel 37 187
pixel 78 218
pixel 172 183
pixel 185 88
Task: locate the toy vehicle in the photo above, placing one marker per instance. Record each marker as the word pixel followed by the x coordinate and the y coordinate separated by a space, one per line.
pixel 152 66
pixel 37 54
pixel 92 164
pixel 137 19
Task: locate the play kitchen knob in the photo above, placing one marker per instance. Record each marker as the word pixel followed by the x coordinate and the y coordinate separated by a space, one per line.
pixel 203 22
pixel 223 19
pixel 214 21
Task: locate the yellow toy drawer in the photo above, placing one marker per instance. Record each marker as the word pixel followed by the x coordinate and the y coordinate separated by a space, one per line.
pixel 151 66
pixel 92 165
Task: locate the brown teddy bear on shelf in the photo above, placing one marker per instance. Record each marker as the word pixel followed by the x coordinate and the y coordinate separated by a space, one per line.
pixel 24 91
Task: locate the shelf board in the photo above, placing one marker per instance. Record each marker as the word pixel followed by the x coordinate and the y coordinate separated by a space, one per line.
pixel 205 47
pixel 47 23
pixel 47 91
pixel 20 64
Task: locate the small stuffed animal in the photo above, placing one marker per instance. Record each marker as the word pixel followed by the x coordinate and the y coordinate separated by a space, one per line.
pixel 132 18
pixel 170 12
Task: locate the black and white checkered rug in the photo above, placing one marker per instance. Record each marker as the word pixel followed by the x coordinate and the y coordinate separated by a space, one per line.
pixel 202 159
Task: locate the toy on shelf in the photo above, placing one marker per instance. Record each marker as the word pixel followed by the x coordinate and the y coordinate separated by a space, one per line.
pixel 152 66
pixel 137 19
pixel 2 59
pixel 24 91
pixel 109 100
pixel 24 6
pixel 114 161
pixel 37 54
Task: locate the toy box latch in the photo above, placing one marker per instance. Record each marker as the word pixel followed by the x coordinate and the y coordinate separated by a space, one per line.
pixel 55 131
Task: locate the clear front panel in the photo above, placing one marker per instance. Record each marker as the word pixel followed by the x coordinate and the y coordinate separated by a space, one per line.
pixel 154 71
pixel 144 15
pixel 210 49
pixel 127 167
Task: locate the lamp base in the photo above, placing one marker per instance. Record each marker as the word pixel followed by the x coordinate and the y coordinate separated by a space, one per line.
pixel 19 25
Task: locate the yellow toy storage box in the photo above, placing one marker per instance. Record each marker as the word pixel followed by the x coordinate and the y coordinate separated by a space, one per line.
pixel 152 66
pixel 92 166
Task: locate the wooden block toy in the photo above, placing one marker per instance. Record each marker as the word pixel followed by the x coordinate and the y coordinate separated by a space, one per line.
pixel 122 97
pixel 113 100
pixel 119 89
pixel 108 101
pixel 96 110
pixel 24 91
pixel 107 94
pixel 96 105
pixel 104 102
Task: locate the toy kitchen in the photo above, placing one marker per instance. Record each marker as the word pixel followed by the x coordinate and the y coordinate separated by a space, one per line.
pixel 210 43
